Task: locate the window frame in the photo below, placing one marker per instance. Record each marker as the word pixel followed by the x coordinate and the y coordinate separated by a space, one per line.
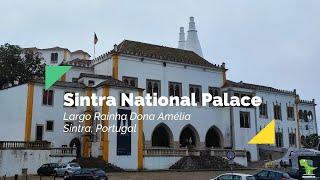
pixel 195 86
pixel 153 81
pixel 47 126
pixel 47 97
pixel 246 119
pixel 263 108
pixel 174 90
pixel 277 112
pixel 290 113
pixel 54 58
pixel 130 78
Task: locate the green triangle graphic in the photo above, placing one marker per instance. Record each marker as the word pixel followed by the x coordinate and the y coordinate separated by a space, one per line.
pixel 53 74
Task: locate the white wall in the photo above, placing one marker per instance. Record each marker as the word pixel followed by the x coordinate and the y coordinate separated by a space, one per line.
pixel 43 113
pixel 46 54
pixel 284 99
pixel 13 161
pixel 125 162
pixel 13 102
pixel 157 163
pixel 104 67
pixel 243 135
pixel 76 71
pixel 202 117
pixel 312 125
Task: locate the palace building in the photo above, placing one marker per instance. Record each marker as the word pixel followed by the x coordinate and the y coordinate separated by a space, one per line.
pixel 29 113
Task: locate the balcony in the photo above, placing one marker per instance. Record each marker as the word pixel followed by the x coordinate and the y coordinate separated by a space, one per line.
pixel 35 145
pixel 157 151
pixel 223 152
pixel 63 152
pixel 148 152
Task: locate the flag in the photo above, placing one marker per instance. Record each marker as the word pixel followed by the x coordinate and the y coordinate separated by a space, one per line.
pixel 95 38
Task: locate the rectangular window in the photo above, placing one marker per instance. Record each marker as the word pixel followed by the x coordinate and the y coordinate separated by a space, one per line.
pixel 132 81
pixel 277 112
pixel 47 97
pixel 292 139
pixel 49 126
pixel 39 132
pixel 214 92
pixel 54 57
pixel 244 119
pixel 279 139
pixel 263 110
pixel 74 97
pixel 175 89
pixel 196 89
pixel 290 112
pixel 153 86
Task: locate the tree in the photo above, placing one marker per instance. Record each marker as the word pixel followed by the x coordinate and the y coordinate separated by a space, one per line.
pixel 311 141
pixel 18 66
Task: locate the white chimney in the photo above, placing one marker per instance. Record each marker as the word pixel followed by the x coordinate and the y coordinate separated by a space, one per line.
pixel 192 42
pixel 182 39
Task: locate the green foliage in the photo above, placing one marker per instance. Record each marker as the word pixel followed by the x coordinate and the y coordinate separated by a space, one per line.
pixel 18 66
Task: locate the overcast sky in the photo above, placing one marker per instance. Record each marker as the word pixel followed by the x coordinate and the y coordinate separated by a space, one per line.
pixel 271 42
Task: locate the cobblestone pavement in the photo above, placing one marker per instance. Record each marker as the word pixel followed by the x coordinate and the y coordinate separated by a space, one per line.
pixel 158 175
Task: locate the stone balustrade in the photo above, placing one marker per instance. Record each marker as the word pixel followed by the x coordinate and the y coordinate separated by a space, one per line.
pixel 63 152
pixel 25 145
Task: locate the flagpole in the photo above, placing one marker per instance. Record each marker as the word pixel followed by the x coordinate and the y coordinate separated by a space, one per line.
pixel 94 47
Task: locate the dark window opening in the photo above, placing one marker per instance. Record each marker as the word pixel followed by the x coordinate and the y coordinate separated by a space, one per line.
pixel 277 112
pixel 47 97
pixel 244 119
pixel 131 81
pixel 49 126
pixel 196 89
pixel 54 57
pixel 153 86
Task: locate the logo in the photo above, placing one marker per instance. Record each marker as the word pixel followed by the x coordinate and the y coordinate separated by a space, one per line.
pixel 53 74
pixel 306 164
pixel 266 135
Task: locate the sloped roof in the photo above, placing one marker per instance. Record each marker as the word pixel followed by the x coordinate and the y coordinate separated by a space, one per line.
pixel 110 81
pixel 78 62
pixel 62 83
pixel 256 87
pixel 80 51
pixel 97 76
pixel 163 53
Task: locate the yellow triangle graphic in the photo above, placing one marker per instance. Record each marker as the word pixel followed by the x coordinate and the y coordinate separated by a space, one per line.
pixel 266 135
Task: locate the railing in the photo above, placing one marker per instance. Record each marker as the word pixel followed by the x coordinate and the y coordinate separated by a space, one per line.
pixel 165 152
pixel 271 148
pixel 24 145
pixel 59 152
pixel 223 152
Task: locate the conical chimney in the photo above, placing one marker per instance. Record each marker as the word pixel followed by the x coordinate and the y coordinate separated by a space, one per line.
pixel 192 42
pixel 182 39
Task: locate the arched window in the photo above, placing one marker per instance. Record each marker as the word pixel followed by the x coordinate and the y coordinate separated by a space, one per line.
pixel 162 136
pixel 305 116
pixel 214 138
pixel 279 139
pixel 132 81
pixel 310 116
pixel 189 137
pixel 196 89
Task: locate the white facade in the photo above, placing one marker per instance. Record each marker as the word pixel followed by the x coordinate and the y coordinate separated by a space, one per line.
pixel 164 142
